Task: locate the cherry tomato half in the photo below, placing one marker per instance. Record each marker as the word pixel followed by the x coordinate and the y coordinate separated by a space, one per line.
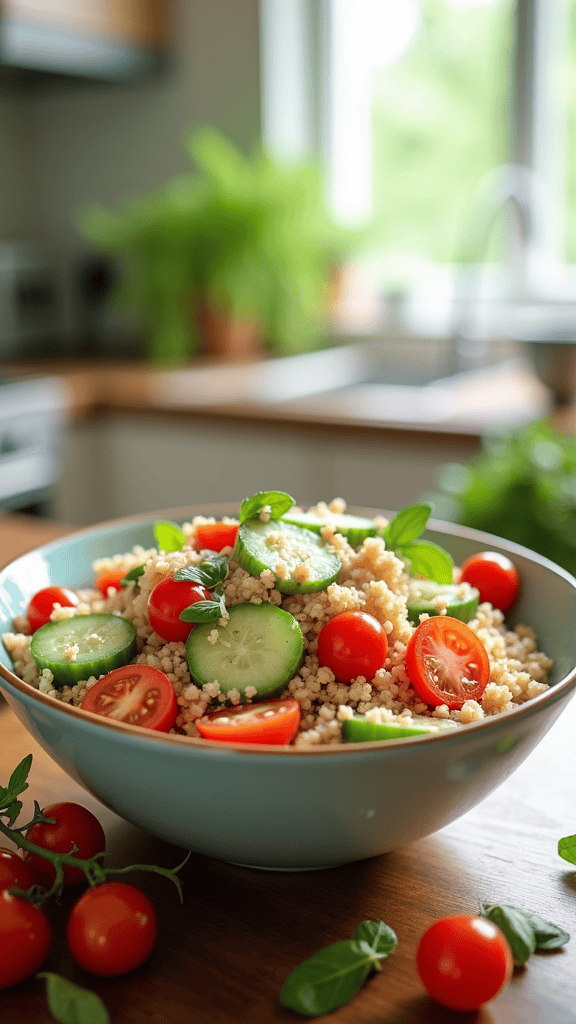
pixel 25 937
pixel 14 871
pixel 111 578
pixel 215 536
pixel 353 644
pixel 446 662
pixel 111 929
pixel 167 600
pixel 464 961
pixel 269 721
pixel 42 605
pixel 74 824
pixel 494 576
pixel 139 694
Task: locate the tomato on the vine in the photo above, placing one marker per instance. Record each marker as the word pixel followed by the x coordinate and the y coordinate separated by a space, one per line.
pixel 25 937
pixel 42 604
pixel 14 871
pixel 111 578
pixel 446 662
pixel 111 929
pixel 215 536
pixel 353 644
pixel 167 600
pixel 494 576
pixel 74 824
pixel 139 694
pixel 268 721
pixel 464 961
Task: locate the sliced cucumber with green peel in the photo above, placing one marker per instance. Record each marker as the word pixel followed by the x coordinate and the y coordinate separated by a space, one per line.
pixel 261 646
pixel 359 730
pixel 355 528
pixel 104 642
pixel 423 594
pixel 262 546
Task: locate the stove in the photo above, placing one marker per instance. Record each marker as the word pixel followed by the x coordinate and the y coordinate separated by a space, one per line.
pixel 32 416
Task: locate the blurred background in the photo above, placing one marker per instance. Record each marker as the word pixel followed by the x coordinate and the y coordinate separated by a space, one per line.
pixel 327 246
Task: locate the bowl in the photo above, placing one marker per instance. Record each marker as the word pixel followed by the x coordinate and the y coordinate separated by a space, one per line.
pixel 288 808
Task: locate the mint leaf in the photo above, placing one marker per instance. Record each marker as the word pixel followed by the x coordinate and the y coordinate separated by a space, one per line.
pixel 516 928
pixel 378 935
pixel 169 536
pixel 17 783
pixel 567 849
pixel 278 501
pixel 430 560
pixel 70 1004
pixel 133 575
pixel 207 574
pixel 406 525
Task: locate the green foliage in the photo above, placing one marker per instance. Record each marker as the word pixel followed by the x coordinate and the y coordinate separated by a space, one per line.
pixel 522 486
pixel 249 235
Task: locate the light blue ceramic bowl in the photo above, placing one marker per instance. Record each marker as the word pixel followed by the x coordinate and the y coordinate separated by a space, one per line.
pixel 283 807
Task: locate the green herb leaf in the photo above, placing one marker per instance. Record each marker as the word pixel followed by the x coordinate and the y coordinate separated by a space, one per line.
pixel 204 611
pixel 378 935
pixel 406 525
pixel 70 1004
pixel 430 560
pixel 207 574
pixel 567 849
pixel 278 501
pixel 516 928
pixel 17 783
pixel 169 536
pixel 133 575
pixel 13 811
pixel 547 935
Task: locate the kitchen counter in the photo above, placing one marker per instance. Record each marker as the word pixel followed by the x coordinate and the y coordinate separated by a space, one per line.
pixel 223 956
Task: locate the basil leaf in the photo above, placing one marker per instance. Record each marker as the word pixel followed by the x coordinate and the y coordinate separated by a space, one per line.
pixel 207 574
pixel 516 928
pixel 278 501
pixel 430 560
pixel 134 574
pixel 17 783
pixel 547 935
pixel 203 611
pixel 328 979
pixel 406 525
pixel 378 935
pixel 169 536
pixel 70 1004
pixel 567 849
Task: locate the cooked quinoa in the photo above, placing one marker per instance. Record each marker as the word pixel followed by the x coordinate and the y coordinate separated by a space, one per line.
pixel 372 580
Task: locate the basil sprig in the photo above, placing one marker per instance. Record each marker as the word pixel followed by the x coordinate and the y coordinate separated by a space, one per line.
pixel 333 975
pixel 169 536
pixel 524 930
pixel 277 501
pixel 567 849
pixel 208 574
pixel 70 1004
pixel 133 575
pixel 205 611
pixel 426 558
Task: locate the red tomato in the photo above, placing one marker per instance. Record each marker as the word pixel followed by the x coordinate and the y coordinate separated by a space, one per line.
pixel 270 721
pixel 74 824
pixel 165 603
pixel 494 576
pixel 353 644
pixel 464 961
pixel 25 937
pixel 42 605
pixel 215 536
pixel 139 694
pixel 13 871
pixel 111 929
pixel 446 662
pixel 112 578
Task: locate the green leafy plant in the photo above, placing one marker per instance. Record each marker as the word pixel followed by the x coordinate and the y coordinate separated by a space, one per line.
pixel 421 556
pixel 524 930
pixel 250 237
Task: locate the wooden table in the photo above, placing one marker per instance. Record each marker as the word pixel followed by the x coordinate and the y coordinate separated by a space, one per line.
pixel 222 957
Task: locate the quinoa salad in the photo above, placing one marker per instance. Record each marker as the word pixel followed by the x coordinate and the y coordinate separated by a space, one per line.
pixel 373 576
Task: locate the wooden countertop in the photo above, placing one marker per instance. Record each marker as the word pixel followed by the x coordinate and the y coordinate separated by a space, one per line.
pixel 222 957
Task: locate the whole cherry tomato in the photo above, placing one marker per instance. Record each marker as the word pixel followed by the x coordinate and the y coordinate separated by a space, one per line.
pixel 42 604
pixel 74 824
pixel 215 536
pixel 111 929
pixel 139 694
pixel 268 721
pixel 353 644
pixel 167 600
pixel 112 578
pixel 494 576
pixel 25 937
pixel 14 871
pixel 446 662
pixel 464 961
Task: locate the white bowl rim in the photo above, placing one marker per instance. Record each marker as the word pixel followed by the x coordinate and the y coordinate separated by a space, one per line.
pixel 184 514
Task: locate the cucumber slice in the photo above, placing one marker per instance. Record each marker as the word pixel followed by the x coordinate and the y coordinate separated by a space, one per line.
pixel 359 730
pixel 422 595
pixel 260 646
pixel 104 642
pixel 355 528
pixel 261 546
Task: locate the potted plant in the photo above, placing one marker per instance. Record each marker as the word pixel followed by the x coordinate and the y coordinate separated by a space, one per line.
pixel 234 255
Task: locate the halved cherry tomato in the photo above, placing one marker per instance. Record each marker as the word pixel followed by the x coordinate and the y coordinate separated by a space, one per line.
pixel 494 576
pixel 139 694
pixel 167 600
pixel 269 721
pixel 464 961
pixel 13 871
pixel 112 578
pixel 446 662
pixel 353 644
pixel 75 825
pixel 42 605
pixel 25 937
pixel 215 536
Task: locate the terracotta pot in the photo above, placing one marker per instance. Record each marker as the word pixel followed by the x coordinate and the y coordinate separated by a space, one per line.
pixel 230 340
